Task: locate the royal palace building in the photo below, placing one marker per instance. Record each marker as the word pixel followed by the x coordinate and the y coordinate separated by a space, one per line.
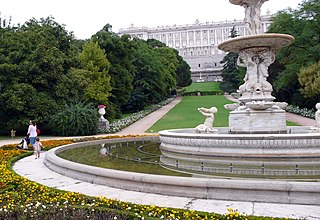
pixel 197 43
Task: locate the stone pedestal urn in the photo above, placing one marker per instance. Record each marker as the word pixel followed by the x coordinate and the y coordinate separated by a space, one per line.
pixel 103 123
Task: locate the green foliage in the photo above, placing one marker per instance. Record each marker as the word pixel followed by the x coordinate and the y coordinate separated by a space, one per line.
pixel 42 67
pixel 197 93
pixel 230 73
pixel 183 73
pixel 33 58
pixel 93 59
pixel 309 78
pixel 203 87
pixel 153 81
pixel 304 24
pixel 75 119
pixel 119 52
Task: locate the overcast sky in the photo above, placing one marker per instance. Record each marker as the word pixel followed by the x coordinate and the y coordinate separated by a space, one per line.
pixel 84 18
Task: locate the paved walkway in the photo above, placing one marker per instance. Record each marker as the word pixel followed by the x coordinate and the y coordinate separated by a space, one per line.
pixel 42 175
pixel 26 167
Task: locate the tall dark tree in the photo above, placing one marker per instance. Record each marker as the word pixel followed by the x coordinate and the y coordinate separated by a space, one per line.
pixel 230 73
pixel 183 73
pixel 120 52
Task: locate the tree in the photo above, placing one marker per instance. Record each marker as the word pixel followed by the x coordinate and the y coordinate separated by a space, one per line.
pixel 93 59
pixel 183 73
pixel 304 24
pixel 182 70
pixel 309 78
pixel 230 73
pixel 119 52
pixel 34 57
pixel 149 82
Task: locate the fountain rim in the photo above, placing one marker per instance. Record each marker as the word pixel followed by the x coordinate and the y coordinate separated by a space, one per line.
pixel 187 134
pixel 263 41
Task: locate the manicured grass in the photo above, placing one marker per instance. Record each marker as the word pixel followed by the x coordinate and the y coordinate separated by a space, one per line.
pixel 186 115
pixel 290 123
pixel 204 87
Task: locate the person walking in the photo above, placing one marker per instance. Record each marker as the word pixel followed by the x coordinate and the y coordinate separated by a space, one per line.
pixel 37 147
pixel 32 132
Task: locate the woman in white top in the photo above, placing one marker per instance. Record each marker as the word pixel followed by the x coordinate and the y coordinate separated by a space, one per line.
pixel 32 132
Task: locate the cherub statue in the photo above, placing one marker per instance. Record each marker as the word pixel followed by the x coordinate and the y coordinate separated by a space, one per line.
pixel 207 126
pixel 267 58
pixel 249 61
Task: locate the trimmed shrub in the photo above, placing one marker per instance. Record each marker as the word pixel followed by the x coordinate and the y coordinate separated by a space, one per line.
pixel 202 93
pixel 75 119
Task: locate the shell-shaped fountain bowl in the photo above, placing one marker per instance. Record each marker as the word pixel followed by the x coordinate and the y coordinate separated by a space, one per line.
pixel 272 41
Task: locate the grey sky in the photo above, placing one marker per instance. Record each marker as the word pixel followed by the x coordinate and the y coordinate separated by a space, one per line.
pixel 85 18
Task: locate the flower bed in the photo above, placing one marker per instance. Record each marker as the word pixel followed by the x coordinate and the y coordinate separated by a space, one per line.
pixel 24 199
pixel 309 113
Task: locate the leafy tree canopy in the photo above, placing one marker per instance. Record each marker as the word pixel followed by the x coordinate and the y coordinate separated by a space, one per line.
pixel 304 24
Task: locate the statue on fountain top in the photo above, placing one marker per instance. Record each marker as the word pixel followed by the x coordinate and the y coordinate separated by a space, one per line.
pixel 207 126
pixel 252 15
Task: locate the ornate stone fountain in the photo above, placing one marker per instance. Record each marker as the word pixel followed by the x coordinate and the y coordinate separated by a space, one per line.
pixel 257 113
pixel 257 125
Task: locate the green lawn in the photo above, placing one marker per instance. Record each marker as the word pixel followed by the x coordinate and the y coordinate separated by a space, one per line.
pixel 186 115
pixel 204 87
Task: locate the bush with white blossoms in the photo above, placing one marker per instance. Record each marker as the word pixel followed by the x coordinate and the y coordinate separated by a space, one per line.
pixel 118 125
pixel 309 113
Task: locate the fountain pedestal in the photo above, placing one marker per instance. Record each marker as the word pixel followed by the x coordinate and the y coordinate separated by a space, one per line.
pixel 250 121
pixel 257 113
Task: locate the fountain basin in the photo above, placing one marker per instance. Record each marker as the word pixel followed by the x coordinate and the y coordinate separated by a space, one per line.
pixel 299 141
pixel 288 192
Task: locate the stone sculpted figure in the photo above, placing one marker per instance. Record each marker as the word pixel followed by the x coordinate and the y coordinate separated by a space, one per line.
pixel 247 20
pixel 207 126
pixel 251 78
pixel 252 14
pixel 317 115
pixel 267 58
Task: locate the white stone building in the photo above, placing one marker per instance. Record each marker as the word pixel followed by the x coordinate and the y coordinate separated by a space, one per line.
pixel 197 43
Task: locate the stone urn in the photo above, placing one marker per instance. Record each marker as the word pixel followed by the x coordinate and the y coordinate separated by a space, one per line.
pixel 102 111
pixel 103 123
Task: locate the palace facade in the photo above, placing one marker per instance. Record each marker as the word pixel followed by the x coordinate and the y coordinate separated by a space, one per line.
pixel 197 43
